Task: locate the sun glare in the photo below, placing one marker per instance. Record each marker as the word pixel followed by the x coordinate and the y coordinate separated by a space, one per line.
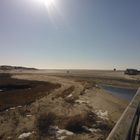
pixel 53 10
pixel 47 3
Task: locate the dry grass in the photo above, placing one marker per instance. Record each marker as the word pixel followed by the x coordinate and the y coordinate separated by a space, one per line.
pixel 71 100
pixel 76 123
pixel 43 124
pixel 66 92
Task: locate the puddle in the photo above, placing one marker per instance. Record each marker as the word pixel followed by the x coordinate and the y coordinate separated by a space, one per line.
pixel 125 93
pixel 13 87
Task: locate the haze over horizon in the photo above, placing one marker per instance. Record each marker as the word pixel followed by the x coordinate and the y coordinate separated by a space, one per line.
pixel 70 34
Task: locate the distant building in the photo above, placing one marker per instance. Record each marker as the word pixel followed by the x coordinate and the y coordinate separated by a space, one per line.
pixel 131 72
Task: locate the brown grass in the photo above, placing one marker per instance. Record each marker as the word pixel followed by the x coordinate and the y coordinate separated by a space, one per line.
pixel 66 92
pixel 43 124
pixel 76 123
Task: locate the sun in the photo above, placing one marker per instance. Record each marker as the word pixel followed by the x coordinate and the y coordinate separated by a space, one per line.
pixel 47 3
pixel 52 9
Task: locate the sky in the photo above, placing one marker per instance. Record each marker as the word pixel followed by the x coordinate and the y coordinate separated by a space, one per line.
pixel 70 34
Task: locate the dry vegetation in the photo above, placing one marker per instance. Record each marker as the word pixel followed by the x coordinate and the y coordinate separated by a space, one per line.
pixel 66 92
pixel 79 124
pixel 77 107
pixel 44 123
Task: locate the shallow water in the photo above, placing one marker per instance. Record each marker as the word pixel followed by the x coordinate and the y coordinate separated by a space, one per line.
pixel 125 93
pixel 13 87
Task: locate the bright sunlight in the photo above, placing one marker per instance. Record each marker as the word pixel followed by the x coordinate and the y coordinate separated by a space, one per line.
pixel 47 3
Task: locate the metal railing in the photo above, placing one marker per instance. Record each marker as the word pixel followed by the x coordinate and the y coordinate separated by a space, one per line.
pixel 133 129
pixel 127 128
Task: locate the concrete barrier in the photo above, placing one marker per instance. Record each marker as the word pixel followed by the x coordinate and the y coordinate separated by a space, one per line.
pixel 122 129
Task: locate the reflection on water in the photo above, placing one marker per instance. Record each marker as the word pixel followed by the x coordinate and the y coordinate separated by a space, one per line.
pixel 125 93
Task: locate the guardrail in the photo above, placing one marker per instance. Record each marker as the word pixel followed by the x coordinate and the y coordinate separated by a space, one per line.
pixel 128 125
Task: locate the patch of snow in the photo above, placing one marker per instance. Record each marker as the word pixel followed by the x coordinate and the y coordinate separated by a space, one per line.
pixel 12 108
pixel 1 90
pixel 54 127
pixel 87 90
pixel 62 138
pixel 29 115
pixel 81 101
pixel 9 137
pixel 96 86
pixel 94 130
pixel 25 135
pixel 102 114
pixel 19 106
pixel 86 128
pixel 70 95
pixel 60 133
pixel 63 131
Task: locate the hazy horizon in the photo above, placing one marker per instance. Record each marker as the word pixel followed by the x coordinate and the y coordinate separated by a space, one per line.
pixel 84 69
pixel 69 34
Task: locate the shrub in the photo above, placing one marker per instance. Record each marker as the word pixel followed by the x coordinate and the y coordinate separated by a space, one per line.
pixel 76 123
pixel 44 122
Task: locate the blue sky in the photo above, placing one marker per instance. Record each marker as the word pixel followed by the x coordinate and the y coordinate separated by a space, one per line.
pixel 75 34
